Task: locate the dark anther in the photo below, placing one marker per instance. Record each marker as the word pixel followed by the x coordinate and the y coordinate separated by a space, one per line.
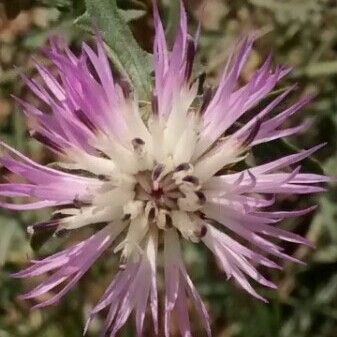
pixel 201 196
pixel 208 95
pixel 157 171
pixel 137 143
pixel 203 231
pixel 85 119
pixel 191 179
pixel 154 103
pixel 102 154
pixel 168 220
pixel 102 177
pixel 182 167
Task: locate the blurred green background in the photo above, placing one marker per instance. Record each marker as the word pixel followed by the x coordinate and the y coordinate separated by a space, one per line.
pixel 300 33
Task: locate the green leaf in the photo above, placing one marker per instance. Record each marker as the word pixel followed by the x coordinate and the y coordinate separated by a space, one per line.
pixel 127 4
pixel 123 49
pixel 172 19
pixel 127 14
pixel 84 22
pixel 326 255
pixel 329 213
pixel 8 229
pixel 12 240
pixel 60 4
pixel 131 14
pixel 326 68
pixel 78 7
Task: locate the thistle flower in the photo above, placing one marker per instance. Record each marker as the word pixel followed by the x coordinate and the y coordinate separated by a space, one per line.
pixel 166 179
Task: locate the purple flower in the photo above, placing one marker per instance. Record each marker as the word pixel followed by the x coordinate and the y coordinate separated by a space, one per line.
pixel 165 179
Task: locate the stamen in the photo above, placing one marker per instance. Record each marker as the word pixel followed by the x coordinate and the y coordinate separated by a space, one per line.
pixel 102 154
pixel 183 223
pixel 126 217
pixel 191 179
pixel 138 146
pixel 189 183
pixel 164 219
pixel 183 167
pixel 181 171
pixel 157 171
pixel 103 177
pixel 201 196
pixel 150 211
pixel 137 142
pixel 156 176
pixel 203 231
pixel 152 214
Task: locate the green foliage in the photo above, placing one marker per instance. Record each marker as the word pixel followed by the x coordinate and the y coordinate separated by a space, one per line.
pixel 123 49
pixel 286 11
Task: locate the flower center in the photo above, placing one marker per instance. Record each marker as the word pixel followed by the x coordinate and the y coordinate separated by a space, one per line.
pixel 157 194
pixel 170 190
pixel 164 197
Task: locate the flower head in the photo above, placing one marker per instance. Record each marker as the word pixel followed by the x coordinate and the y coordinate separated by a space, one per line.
pixel 164 179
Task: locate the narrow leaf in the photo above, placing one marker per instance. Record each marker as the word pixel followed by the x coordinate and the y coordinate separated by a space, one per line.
pixel 125 52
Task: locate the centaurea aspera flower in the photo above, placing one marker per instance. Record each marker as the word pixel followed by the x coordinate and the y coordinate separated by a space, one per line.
pixel 160 180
